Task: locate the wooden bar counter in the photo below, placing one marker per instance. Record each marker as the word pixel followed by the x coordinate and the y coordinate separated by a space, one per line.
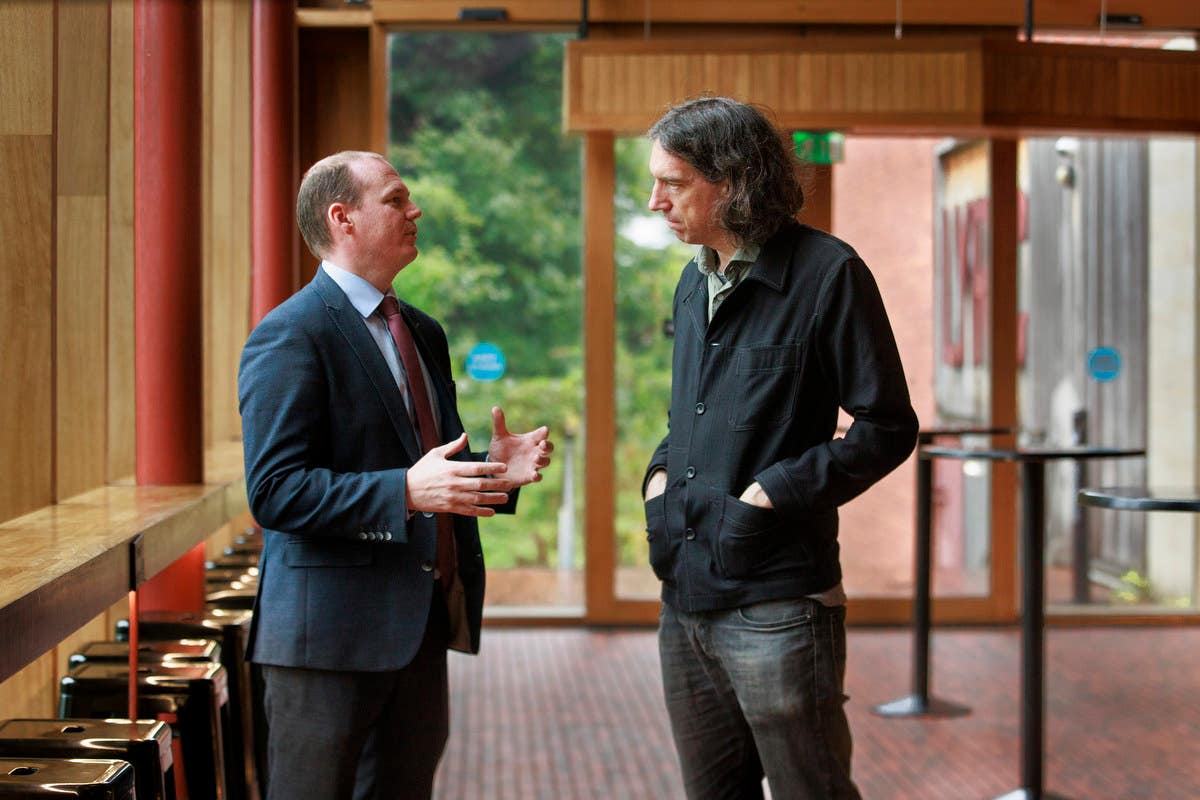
pixel 63 565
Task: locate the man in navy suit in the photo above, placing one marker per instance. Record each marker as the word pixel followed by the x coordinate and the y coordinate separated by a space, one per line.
pixel 357 469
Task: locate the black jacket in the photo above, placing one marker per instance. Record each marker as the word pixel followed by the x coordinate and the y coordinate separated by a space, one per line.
pixel 755 397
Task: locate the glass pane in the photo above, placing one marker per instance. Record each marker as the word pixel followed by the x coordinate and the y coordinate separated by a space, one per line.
pixel 961 353
pixel 648 261
pixel 475 127
pixel 1092 249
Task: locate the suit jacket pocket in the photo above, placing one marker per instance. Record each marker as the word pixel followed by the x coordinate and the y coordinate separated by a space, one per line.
pixel 333 553
pixel 662 553
pixel 749 536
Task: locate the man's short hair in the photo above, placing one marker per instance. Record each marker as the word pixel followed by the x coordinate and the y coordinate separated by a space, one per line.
pixel 330 180
pixel 727 140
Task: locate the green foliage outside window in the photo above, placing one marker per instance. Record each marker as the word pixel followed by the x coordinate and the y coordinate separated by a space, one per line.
pixel 476 132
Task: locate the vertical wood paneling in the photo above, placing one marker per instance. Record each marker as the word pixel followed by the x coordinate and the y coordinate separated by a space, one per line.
pixel 26 320
pixel 26 262
pixel 227 185
pixel 26 67
pixel 95 631
pixel 31 692
pixel 121 445
pixel 79 360
pixel 81 176
pixel 334 87
pixel 82 146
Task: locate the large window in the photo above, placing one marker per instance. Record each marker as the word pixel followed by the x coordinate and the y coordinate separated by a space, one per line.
pixel 475 128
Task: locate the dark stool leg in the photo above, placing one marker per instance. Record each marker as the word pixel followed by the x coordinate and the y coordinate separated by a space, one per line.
pixel 919 703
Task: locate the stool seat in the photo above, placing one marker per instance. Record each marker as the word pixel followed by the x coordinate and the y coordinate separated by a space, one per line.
pixel 89 778
pixel 155 652
pixel 145 745
pixel 232 598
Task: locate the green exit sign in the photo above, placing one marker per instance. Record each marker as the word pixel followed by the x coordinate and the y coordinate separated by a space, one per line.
pixel 818 147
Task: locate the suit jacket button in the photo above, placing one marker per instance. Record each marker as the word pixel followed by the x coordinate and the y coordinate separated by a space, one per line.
pixel 427 566
pixel 427 514
pixel 364 535
pixel 387 536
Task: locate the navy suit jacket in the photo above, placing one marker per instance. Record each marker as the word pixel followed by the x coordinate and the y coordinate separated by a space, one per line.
pixel 346 578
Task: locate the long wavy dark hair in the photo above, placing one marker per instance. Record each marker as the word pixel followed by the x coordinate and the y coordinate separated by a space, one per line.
pixel 727 140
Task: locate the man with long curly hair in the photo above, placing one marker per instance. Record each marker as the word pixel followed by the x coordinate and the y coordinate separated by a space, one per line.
pixel 777 325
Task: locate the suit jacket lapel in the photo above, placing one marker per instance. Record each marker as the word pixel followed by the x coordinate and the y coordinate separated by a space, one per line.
pixel 350 323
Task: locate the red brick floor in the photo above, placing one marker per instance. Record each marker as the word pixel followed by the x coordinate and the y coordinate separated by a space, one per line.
pixel 578 714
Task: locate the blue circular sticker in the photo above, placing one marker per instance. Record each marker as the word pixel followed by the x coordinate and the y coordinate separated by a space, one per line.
pixel 1104 364
pixel 485 362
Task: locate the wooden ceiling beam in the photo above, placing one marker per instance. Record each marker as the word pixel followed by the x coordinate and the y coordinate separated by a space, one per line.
pixel 936 85
pixel 1154 14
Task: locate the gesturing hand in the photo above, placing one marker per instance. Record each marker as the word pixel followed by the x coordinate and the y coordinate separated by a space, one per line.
pixel 436 483
pixel 524 453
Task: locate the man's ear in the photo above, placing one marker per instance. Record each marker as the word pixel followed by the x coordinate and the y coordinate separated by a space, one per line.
pixel 338 218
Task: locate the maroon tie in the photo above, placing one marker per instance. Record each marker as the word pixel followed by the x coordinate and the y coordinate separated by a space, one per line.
pixel 419 395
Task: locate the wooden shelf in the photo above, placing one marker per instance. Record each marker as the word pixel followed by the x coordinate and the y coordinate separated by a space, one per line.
pixel 66 563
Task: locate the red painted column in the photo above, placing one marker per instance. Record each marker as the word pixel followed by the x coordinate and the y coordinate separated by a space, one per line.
pixel 273 244
pixel 168 269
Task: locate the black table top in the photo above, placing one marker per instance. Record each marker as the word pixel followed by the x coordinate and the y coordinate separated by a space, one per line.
pixel 962 430
pixel 1029 453
pixel 1143 498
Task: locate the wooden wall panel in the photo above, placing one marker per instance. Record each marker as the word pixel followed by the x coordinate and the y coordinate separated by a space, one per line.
pixel 79 359
pixel 26 67
pixel 82 147
pixel 81 234
pixel 97 630
pixel 26 265
pixel 121 443
pixel 26 323
pixel 335 101
pixel 227 206
pixel 31 692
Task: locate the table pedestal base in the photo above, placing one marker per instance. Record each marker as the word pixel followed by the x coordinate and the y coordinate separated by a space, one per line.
pixel 916 706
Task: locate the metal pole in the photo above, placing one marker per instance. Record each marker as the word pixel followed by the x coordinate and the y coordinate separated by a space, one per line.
pixel 922 613
pixel 1033 487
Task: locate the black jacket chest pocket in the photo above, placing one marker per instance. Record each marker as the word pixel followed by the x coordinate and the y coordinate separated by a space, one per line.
pixel 766 382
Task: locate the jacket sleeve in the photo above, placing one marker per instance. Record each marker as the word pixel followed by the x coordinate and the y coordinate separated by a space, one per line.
pixel 861 364
pixel 285 429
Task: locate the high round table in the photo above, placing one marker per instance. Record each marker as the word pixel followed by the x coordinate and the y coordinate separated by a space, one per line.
pixel 1032 463
pixel 920 703
pixel 1143 498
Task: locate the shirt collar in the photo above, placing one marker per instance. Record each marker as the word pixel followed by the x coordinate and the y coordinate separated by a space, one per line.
pixel 362 295
pixel 743 257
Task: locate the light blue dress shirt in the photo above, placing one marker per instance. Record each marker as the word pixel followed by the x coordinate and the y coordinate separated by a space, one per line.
pixel 366 299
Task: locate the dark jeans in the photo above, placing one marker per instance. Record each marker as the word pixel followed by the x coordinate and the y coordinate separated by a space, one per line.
pixel 757 691
pixel 361 735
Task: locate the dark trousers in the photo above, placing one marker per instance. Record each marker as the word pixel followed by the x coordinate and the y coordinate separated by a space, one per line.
pixel 757 691
pixel 360 735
